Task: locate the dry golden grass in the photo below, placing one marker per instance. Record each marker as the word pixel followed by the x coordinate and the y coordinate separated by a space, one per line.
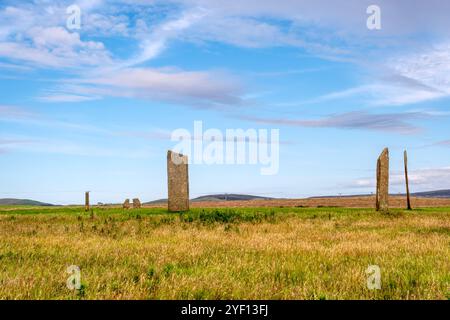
pixel 259 253
pixel 343 202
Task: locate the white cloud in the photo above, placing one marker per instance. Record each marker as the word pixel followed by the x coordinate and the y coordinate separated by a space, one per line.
pixel 399 16
pixel 172 85
pixel 331 27
pixel 386 93
pixel 55 47
pixel 420 180
pixel 153 44
pixel 61 97
pixel 107 25
pixel 14 67
pixel 97 73
pixel 425 74
pixel 33 35
pixel 59 38
pixel 403 80
pixel 89 5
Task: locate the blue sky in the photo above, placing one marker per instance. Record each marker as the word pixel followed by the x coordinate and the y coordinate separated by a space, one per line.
pixel 93 108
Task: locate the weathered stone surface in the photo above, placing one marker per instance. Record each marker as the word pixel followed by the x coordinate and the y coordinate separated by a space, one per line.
pixel 382 199
pixel 136 203
pixel 86 201
pixel 178 182
pixel 126 204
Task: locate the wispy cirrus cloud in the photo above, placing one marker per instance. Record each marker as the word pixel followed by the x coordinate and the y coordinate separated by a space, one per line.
pixel 15 141
pixel 33 35
pixel 23 116
pixel 200 88
pixel 94 71
pixel 424 75
pixel 152 44
pixel 443 143
pixel 14 112
pixel 384 92
pixel 10 143
pixel 362 120
pixel 270 23
pixel 56 97
pixel 399 16
pixel 402 80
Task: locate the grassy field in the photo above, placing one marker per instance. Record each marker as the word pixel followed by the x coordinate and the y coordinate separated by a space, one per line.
pixel 242 253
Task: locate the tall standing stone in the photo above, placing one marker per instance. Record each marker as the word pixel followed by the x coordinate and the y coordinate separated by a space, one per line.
pixel 178 182
pixel 126 204
pixel 408 195
pixel 87 206
pixel 382 200
pixel 136 203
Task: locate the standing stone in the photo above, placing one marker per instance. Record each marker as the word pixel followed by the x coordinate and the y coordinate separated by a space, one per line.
pixel 136 203
pixel 178 182
pixel 382 200
pixel 408 196
pixel 87 206
pixel 126 204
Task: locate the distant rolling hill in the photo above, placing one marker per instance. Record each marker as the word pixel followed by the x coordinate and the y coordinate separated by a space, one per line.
pixel 445 194
pixel 217 197
pixel 229 197
pixel 433 194
pixel 156 202
pixel 23 202
pixel 245 197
